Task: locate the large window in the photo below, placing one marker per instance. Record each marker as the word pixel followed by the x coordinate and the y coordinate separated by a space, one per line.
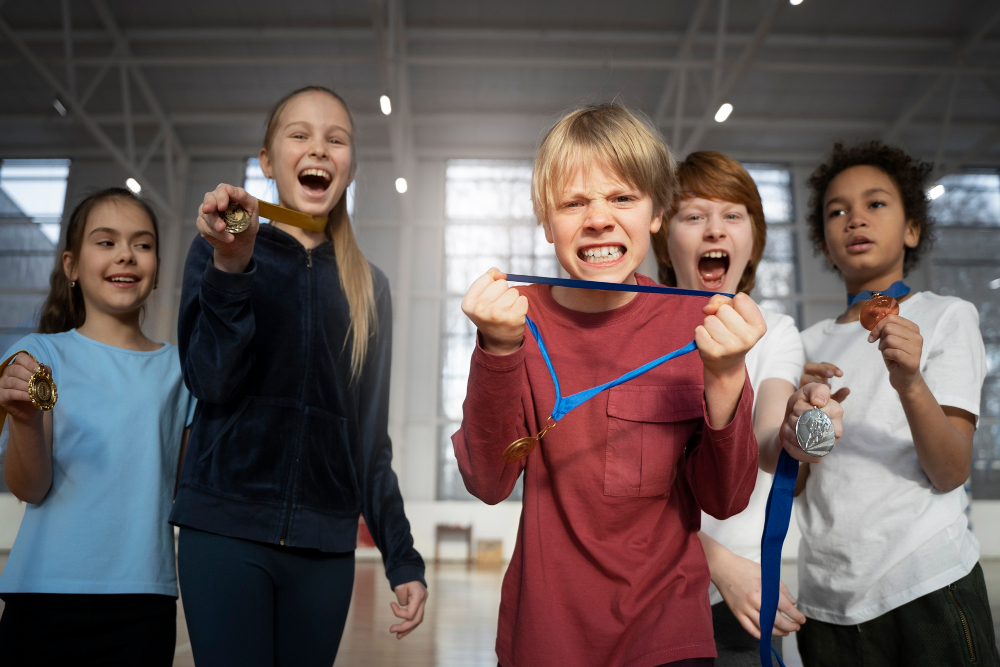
pixel 32 195
pixel 489 223
pixel 777 284
pixel 965 263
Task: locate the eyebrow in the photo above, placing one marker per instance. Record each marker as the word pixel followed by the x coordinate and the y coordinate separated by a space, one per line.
pixel 866 193
pixel 308 124
pixel 115 232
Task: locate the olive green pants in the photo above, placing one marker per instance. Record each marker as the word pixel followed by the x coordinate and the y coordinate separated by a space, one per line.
pixel 951 626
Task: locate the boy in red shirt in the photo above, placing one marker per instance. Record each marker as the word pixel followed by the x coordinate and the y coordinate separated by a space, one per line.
pixel 608 568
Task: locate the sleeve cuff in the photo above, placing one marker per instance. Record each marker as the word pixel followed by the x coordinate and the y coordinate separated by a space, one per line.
pixel 744 412
pixel 229 283
pixel 406 573
pixel 500 363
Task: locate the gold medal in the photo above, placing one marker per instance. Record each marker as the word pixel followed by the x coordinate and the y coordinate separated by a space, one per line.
pixel 521 447
pixel 274 213
pixel 237 219
pixel 41 388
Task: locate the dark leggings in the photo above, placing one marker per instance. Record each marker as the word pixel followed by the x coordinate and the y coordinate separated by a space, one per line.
pixel 84 629
pixel 249 604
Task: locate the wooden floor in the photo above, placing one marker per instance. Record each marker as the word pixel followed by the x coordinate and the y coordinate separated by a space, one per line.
pixel 459 628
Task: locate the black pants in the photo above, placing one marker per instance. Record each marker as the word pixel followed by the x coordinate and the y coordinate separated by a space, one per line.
pixel 736 646
pixel 950 627
pixel 250 604
pixel 70 629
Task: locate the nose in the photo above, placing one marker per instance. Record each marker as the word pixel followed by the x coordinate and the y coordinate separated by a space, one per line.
pixel 318 148
pixel 715 228
pixel 856 219
pixel 599 217
pixel 125 254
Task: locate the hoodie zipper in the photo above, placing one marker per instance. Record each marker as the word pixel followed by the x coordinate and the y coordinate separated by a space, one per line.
pixel 965 622
pixel 293 469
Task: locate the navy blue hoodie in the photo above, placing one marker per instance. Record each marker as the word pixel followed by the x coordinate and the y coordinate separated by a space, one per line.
pixel 285 449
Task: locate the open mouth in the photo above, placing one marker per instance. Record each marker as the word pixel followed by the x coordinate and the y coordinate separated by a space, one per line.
pixel 315 181
pixel 605 254
pixel 858 244
pixel 712 268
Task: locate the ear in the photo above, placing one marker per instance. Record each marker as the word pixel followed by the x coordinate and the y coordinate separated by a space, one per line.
pixel 68 266
pixel 912 236
pixel 265 162
pixel 656 222
pixel 826 253
pixel 547 228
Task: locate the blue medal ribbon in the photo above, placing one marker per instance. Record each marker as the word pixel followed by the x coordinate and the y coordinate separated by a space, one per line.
pixel 896 290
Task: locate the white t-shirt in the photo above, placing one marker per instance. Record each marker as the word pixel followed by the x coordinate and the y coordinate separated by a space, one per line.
pixel 778 354
pixel 875 533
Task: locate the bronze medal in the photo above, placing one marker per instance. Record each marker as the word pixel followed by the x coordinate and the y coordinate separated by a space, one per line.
pixel 522 447
pixel 237 219
pixel 878 308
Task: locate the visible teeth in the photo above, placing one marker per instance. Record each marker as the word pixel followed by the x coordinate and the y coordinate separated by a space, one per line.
pixel 715 254
pixel 603 253
pixel 316 172
pixel 122 279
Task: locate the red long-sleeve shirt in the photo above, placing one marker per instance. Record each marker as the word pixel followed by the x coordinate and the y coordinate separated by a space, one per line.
pixel 607 569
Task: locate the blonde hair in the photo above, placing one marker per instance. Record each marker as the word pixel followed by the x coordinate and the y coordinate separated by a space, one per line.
pixel 610 135
pixel 352 268
pixel 712 175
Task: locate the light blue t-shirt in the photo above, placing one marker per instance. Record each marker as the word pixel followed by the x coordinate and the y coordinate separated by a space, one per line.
pixel 116 437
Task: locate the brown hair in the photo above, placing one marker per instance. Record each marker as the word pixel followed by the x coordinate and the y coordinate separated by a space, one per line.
pixel 909 174
pixel 611 135
pixel 64 307
pixel 353 269
pixel 712 175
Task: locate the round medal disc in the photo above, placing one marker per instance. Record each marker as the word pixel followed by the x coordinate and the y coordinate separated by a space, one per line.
pixel 519 449
pixel 815 433
pixel 42 390
pixel 878 308
pixel 237 219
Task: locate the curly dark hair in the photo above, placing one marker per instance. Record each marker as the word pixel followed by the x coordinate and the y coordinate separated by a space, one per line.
pixel 909 175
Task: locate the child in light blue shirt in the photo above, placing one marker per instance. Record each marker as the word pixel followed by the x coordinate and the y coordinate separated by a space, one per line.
pixel 91 577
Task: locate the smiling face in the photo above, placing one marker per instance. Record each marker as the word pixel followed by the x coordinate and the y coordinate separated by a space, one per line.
pixel 710 243
pixel 309 155
pixel 865 227
pixel 600 226
pixel 115 267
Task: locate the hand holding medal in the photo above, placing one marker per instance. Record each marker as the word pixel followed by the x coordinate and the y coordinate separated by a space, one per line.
pixel 232 236
pixel 813 422
pixel 26 387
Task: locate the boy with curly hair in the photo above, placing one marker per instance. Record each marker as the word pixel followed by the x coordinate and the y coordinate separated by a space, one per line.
pixel 888 570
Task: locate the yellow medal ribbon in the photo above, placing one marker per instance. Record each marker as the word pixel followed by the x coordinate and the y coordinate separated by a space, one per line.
pixel 238 219
pixel 41 388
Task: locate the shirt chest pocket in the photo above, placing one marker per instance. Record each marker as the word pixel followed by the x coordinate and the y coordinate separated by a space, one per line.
pixel 648 430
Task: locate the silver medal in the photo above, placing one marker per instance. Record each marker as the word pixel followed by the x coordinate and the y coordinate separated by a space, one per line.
pixel 815 433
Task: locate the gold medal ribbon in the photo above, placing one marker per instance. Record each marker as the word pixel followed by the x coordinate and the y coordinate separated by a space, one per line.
pixel 238 219
pixel 41 388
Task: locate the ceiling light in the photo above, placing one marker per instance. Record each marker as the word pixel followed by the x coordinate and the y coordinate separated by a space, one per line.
pixel 995 284
pixel 59 107
pixel 936 191
pixel 795 2
pixel 133 185
pixel 400 185
pixel 723 113
pixel 386 104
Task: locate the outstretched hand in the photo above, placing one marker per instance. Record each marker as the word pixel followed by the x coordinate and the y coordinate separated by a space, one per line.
pixel 14 398
pixel 812 395
pixel 412 597
pixel 232 251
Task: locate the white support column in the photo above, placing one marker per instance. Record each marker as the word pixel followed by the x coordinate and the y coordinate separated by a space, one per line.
pixel 68 46
pixel 683 54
